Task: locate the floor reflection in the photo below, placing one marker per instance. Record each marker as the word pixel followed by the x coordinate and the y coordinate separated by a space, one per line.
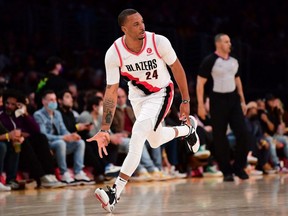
pixel 207 196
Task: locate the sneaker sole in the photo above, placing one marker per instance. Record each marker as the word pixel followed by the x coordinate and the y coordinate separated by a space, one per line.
pixel 103 198
pixel 195 147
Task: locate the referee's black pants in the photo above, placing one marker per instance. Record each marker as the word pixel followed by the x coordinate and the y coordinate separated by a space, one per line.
pixel 225 108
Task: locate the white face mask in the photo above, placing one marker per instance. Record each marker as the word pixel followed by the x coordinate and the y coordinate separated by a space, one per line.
pixel 122 106
pixel 19 112
pixel 100 111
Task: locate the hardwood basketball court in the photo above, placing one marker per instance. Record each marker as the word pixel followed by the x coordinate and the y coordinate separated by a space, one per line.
pixel 266 195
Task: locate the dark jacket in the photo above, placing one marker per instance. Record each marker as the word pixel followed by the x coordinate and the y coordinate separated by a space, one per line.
pixel 119 119
pixel 25 123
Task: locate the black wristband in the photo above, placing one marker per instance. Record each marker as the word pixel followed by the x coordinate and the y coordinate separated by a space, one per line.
pixel 185 101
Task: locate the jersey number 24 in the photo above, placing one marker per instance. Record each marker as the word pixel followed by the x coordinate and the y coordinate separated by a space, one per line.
pixel 151 75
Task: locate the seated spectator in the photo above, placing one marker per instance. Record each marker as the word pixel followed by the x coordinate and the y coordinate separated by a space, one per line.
pixel 8 157
pixel 60 140
pixel 258 144
pixel 65 101
pixel 83 97
pixel 271 119
pixel 93 115
pixel 6 152
pixel 37 161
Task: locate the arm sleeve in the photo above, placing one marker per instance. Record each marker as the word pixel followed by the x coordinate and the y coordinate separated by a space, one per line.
pixel 112 66
pixel 165 49
pixel 207 65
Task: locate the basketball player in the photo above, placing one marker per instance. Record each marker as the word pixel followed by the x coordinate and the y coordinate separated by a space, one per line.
pixel 141 57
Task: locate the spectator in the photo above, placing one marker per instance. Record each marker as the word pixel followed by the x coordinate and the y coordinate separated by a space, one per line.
pixel 267 127
pixel 37 160
pixel 93 115
pixel 83 97
pixel 65 102
pixel 14 116
pixel 52 80
pixel 124 117
pixel 8 157
pixel 60 140
pixel 74 92
pixel 274 121
pixel 258 144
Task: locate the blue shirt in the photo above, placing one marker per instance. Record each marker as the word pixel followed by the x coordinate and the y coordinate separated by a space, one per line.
pixel 46 122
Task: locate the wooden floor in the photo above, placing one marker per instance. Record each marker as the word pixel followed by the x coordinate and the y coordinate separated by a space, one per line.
pixel 257 196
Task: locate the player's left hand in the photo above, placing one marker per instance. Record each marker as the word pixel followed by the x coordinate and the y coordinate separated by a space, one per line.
pixel 184 112
pixel 102 139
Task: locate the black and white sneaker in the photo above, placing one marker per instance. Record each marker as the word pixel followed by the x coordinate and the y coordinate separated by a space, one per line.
pixel 107 197
pixel 192 138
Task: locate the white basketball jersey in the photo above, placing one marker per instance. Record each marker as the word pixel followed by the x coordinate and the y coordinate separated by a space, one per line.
pixel 146 71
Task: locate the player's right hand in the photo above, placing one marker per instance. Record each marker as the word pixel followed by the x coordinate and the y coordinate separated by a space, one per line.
pixel 102 139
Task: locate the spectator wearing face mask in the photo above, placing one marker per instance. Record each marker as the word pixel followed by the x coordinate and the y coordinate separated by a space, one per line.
pixel 61 141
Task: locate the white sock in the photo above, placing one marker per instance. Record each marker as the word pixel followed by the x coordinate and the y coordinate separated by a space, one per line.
pixel 120 185
pixel 183 130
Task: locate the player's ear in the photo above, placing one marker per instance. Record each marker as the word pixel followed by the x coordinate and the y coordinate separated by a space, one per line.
pixel 123 28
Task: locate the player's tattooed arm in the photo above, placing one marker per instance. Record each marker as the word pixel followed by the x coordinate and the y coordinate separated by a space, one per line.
pixel 109 106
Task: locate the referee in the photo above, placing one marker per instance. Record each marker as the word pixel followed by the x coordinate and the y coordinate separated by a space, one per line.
pixel 227 105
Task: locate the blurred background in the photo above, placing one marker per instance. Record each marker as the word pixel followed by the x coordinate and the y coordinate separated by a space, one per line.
pixel 80 32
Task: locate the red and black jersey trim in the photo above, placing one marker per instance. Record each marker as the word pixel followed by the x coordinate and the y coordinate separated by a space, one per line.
pixel 166 105
pixel 143 86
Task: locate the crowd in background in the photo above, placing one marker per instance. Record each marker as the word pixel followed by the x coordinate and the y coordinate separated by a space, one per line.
pixel 80 33
pixel 43 137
